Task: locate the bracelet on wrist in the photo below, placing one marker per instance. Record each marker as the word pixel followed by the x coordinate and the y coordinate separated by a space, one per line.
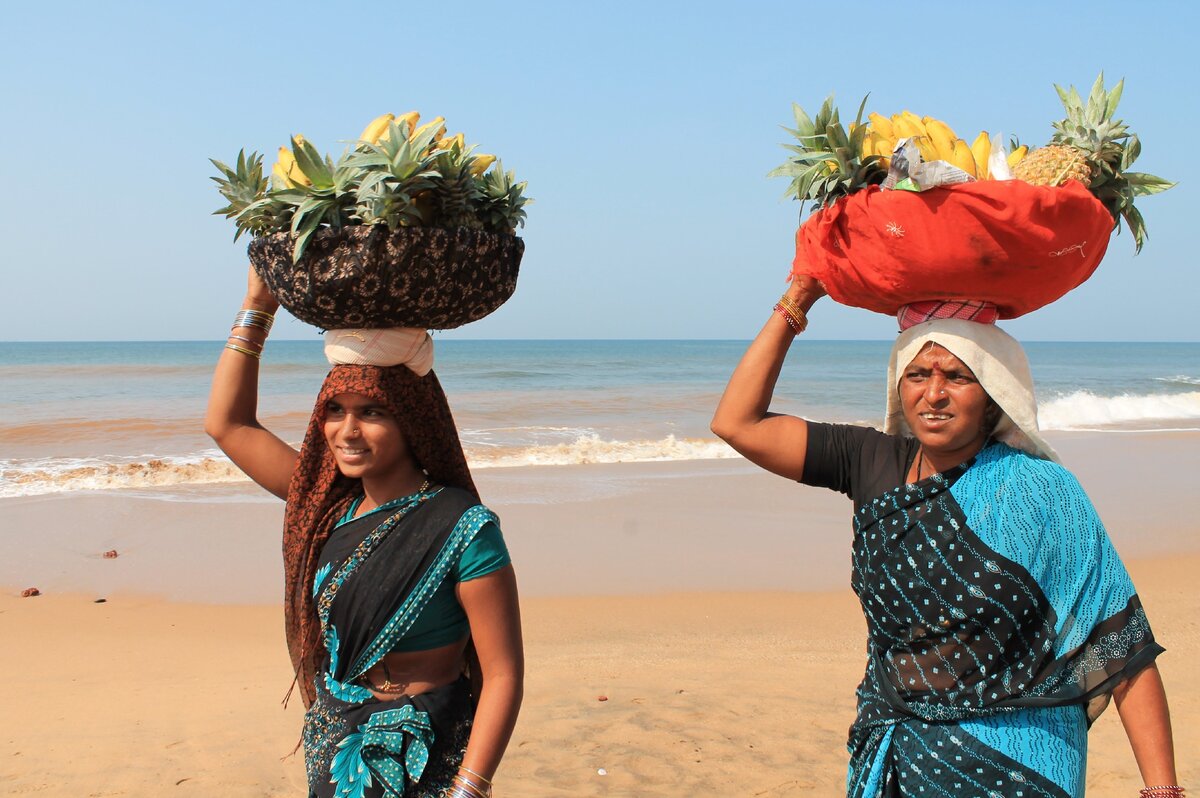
pixel 463 788
pixel 244 351
pixel 250 342
pixel 792 313
pixel 473 774
pixel 796 323
pixel 254 318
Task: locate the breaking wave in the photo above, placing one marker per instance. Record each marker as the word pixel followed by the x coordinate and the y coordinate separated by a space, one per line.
pixel 62 475
pixel 1084 410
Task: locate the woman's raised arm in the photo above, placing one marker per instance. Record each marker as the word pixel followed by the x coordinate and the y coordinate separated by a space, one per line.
pixel 232 417
pixel 770 440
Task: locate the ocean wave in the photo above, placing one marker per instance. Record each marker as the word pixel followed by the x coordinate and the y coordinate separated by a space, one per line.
pixel 1179 379
pixel 594 449
pixel 66 475
pixel 1086 410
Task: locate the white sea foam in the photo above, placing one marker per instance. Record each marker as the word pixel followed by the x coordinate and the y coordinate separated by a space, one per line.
pixel 499 447
pixel 68 474
pixel 1179 379
pixel 594 449
pixel 1086 410
pixel 210 467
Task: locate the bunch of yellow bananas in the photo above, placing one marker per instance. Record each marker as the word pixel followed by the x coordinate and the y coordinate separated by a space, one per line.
pixel 935 140
pixel 379 128
pixel 285 170
pixel 287 173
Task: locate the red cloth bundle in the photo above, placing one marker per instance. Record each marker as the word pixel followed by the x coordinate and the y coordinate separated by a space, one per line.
pixel 1001 241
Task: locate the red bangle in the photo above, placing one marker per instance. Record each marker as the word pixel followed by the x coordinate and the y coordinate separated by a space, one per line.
pixel 791 320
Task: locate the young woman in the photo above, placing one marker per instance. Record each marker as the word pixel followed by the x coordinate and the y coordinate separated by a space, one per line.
pixel 401 603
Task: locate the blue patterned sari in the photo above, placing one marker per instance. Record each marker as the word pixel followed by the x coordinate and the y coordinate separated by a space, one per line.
pixel 376 574
pixel 999 620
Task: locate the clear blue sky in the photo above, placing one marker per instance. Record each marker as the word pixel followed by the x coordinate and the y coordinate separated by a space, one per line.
pixel 645 131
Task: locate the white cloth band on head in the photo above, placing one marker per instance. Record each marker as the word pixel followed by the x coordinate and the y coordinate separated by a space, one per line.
pixel 998 362
pixel 390 347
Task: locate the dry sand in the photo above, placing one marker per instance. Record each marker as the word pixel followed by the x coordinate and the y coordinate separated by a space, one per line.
pixel 670 589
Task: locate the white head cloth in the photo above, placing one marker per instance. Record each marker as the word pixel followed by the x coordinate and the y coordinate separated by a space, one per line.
pixel 998 362
pixel 390 347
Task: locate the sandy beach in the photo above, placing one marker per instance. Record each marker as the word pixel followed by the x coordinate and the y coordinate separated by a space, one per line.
pixel 705 601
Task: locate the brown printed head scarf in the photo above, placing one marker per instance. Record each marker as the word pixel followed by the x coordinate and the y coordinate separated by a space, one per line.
pixel 319 494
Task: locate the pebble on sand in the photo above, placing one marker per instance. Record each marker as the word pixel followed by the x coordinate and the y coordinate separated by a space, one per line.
pixel 111 554
pixel 30 591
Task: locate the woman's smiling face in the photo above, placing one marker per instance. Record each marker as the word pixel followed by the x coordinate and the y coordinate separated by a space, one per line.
pixel 944 405
pixel 365 438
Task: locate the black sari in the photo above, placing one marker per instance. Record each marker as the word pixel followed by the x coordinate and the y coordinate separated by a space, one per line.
pixel 375 575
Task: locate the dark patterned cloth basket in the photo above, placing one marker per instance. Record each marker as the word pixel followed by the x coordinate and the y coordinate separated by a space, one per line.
pixel 369 276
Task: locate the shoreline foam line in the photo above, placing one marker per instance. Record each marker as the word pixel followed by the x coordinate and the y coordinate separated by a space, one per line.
pixel 62 475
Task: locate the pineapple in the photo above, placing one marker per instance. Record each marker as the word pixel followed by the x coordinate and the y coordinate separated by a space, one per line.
pixel 1054 165
pixel 828 162
pixel 1095 149
pixel 456 191
pixel 502 207
pixel 242 187
pixel 394 172
pixel 397 174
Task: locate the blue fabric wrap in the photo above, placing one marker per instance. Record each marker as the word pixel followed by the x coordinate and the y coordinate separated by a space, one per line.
pixel 1000 618
pixel 1061 543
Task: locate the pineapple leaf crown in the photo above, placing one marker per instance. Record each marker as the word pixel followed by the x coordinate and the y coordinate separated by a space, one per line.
pixel 1110 148
pixel 825 163
pixel 399 174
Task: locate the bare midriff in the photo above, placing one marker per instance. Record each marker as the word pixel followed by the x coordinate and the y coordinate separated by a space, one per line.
pixel 414 672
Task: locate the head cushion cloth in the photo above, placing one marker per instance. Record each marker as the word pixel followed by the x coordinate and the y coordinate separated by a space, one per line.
pixel 998 362
pixel 395 346
pixel 319 494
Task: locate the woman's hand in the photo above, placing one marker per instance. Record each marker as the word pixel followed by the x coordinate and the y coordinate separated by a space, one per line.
pixel 258 295
pixel 805 291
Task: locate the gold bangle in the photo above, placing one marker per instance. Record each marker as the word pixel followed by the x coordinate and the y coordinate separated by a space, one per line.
pixel 794 307
pixel 244 351
pixel 797 319
pixel 249 341
pixel 793 324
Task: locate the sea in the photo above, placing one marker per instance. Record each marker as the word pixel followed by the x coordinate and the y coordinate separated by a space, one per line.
pixel 128 416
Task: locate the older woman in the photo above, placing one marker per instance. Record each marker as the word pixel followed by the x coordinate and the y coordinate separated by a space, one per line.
pixel 1000 619
pixel 395 575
